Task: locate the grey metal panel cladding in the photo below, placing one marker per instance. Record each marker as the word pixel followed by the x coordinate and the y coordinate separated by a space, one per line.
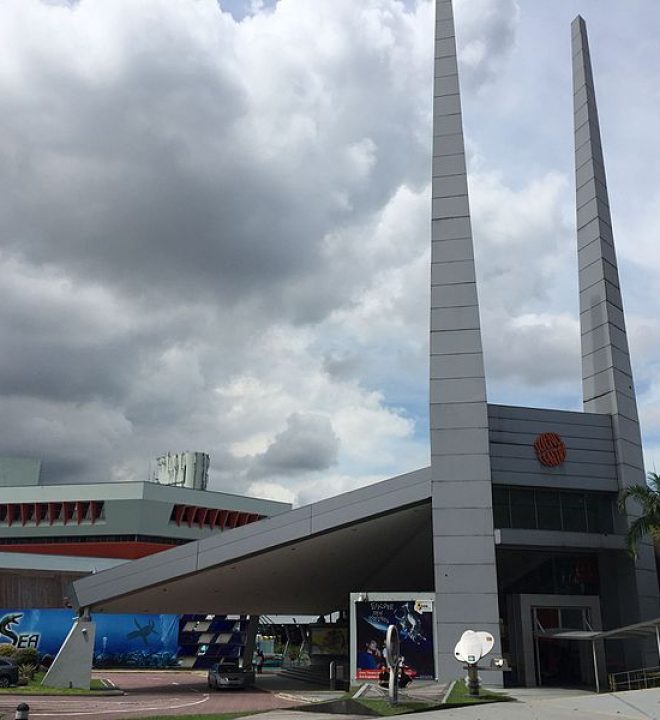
pixel 461 495
pixel 591 461
pixel 607 357
pixel 455 366
pixel 608 388
pixel 525 450
pixel 555 539
pixel 601 313
pixel 469 608
pixel 459 441
pixel 500 439
pixel 470 467
pixel 461 578
pixel 466 550
pixel 459 434
pixel 565 470
pixel 460 390
pixel 552 482
pixel 460 521
pixel 515 412
pixel 603 432
pixel 452 165
pixel 136 574
pixel 456 415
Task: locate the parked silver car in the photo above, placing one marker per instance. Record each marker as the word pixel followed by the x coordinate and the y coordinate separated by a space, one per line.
pixel 228 674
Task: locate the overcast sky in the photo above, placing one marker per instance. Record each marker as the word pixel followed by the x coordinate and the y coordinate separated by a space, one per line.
pixel 214 226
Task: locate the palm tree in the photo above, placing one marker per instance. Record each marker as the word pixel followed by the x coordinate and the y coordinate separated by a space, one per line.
pixel 648 498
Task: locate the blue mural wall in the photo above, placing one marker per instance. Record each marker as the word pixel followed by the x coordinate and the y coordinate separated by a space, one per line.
pixel 121 640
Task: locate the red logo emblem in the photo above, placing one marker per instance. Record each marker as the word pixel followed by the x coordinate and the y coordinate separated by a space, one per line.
pixel 550 449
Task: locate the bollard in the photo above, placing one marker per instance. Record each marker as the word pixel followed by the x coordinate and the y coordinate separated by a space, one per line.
pixel 333 675
pixel 22 712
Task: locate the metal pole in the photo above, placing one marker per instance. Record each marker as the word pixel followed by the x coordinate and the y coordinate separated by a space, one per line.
pixel 657 638
pixel 595 656
pixel 393 685
pixel 473 680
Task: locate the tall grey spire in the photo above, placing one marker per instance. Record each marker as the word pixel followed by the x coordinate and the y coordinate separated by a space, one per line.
pixel 607 381
pixel 463 542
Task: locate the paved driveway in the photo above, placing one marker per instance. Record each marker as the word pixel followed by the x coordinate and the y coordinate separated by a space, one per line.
pixel 150 693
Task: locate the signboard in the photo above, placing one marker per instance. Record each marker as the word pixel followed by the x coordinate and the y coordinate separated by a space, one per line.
pixel 121 640
pixel 413 618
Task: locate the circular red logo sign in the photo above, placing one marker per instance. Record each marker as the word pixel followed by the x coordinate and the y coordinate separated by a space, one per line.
pixel 550 449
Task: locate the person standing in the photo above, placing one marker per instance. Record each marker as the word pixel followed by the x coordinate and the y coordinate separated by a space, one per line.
pixel 261 658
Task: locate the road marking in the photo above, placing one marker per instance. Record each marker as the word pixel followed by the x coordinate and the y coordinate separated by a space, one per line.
pixel 99 711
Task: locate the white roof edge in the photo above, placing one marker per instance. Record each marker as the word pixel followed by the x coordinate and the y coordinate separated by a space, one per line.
pixel 56 563
pixel 136 490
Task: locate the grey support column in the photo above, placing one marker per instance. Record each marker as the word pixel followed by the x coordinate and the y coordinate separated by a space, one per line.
pixel 607 381
pixel 463 542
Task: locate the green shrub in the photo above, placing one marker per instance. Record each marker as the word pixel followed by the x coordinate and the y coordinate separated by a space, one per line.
pixel 27 670
pixel 7 650
pixel 26 656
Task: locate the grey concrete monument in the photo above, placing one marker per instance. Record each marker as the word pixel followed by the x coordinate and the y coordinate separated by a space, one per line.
pixel 607 380
pixel 463 541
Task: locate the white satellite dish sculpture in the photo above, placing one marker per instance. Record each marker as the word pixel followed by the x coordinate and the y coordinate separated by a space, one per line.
pixel 470 649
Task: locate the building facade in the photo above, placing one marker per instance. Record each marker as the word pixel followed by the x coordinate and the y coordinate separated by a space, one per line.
pixel 513 528
pixel 52 534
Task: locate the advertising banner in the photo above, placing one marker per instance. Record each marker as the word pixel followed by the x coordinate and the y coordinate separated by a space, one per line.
pixel 414 621
pixel 121 640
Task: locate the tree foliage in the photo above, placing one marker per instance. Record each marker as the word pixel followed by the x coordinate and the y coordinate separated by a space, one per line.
pixel 646 514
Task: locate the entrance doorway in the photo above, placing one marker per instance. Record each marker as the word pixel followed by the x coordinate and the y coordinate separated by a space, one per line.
pixel 540 658
pixel 561 663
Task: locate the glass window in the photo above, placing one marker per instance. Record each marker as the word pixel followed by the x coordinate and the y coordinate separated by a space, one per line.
pixel 523 512
pixel 604 522
pixel 573 511
pixel 572 618
pixel 548 510
pixel 548 618
pixel 501 514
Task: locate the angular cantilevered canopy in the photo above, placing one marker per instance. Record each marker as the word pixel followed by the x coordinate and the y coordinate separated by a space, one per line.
pixel 306 560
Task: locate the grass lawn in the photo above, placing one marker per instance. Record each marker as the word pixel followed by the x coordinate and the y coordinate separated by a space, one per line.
pixel 383 707
pixel 459 695
pixel 34 687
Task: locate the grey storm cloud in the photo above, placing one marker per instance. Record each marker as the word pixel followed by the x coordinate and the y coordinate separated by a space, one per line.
pixel 170 161
pixel 170 181
pixel 213 229
pixel 308 444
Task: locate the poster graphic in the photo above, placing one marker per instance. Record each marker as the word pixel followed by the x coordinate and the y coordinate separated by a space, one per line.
pixel 414 621
pixel 329 640
pixel 121 640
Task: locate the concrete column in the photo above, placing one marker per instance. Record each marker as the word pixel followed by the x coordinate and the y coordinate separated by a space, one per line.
pixel 607 380
pixel 72 667
pixel 463 541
